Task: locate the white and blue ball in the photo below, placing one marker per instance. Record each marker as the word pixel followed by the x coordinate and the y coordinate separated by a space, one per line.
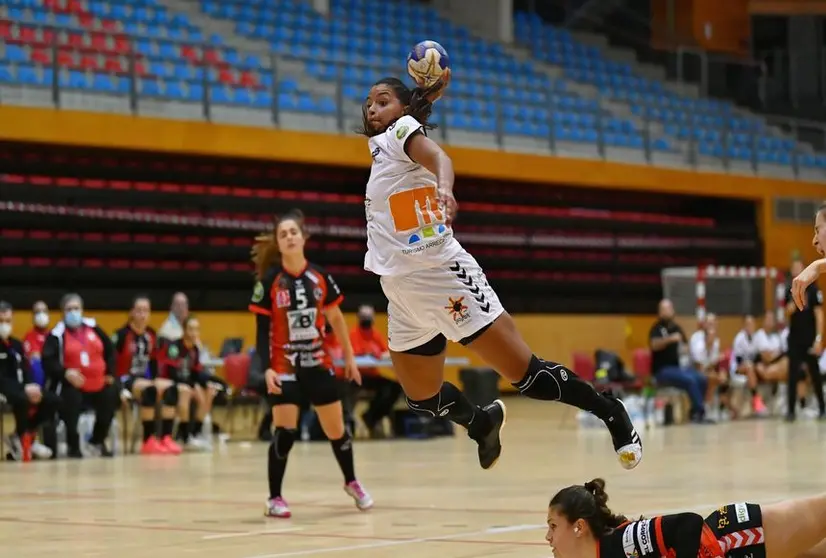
pixel 427 62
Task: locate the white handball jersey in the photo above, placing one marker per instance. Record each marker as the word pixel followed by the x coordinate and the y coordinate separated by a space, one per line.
pixel 406 228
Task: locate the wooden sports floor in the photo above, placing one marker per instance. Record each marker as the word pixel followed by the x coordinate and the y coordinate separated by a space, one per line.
pixel 432 500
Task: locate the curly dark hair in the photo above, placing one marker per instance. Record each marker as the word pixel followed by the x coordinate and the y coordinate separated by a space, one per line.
pixel 414 101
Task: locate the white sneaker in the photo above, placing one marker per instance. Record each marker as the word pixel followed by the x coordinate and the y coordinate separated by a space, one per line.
pixel 14 449
pixel 277 507
pixel 40 451
pixel 197 443
pixel 356 491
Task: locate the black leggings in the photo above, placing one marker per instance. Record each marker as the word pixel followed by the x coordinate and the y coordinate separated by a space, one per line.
pixel 24 420
pixel 798 355
pixel 104 403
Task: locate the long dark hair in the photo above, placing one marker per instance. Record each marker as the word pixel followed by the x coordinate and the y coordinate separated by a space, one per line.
pixel 588 502
pixel 265 252
pixel 414 101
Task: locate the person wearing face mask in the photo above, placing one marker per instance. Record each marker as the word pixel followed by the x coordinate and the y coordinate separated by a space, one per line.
pixel 580 525
pixel 79 358
pixel 367 341
pixel 30 404
pixel 33 340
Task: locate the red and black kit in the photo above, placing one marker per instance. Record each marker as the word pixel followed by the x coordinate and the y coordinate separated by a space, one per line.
pixel 732 531
pixel 136 354
pixel 290 326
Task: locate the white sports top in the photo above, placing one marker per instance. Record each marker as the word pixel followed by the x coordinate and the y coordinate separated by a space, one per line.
pixel 406 228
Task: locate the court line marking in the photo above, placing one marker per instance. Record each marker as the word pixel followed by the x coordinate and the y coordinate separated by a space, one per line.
pixel 251 533
pixel 365 546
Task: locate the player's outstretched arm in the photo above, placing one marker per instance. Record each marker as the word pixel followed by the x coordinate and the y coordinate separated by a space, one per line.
pixel 806 278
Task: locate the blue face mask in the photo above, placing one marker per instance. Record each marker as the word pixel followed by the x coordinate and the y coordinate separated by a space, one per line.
pixel 73 318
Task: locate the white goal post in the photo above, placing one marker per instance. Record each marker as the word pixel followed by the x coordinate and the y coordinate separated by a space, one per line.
pixel 725 290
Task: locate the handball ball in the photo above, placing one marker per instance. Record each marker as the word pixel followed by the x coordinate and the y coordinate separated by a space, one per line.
pixel 426 62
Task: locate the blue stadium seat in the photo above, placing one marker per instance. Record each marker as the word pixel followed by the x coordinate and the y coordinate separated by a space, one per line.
pixel 6 75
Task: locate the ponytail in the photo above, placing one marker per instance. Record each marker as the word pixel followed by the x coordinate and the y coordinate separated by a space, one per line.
pixel 590 503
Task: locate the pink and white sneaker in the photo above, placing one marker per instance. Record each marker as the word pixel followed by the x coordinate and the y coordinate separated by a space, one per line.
pixel 363 500
pixel 277 507
pixel 171 446
pixel 153 446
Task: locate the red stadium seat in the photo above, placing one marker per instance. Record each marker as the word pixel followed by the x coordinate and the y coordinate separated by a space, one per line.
pixel 41 57
pixel 113 64
pixel 76 40
pixel 100 42
pixel 89 62
pixel 27 35
pixel 226 76
pixel 5 29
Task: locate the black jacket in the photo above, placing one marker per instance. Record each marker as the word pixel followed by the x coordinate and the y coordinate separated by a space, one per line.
pixel 15 371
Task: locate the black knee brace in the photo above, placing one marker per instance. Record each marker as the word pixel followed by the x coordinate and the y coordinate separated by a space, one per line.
pixel 170 396
pixel 149 396
pixel 282 442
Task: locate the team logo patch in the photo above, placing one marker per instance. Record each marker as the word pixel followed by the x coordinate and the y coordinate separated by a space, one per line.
pixel 401 132
pixel 258 292
pixel 173 351
pixel 458 310
pixel 318 293
pixel 282 299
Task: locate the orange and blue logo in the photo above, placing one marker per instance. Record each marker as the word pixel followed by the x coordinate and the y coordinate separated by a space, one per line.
pixel 416 212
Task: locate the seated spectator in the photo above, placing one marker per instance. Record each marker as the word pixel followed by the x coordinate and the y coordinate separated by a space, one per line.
pixel 744 361
pixel 182 363
pixel 35 338
pixel 78 359
pixel 704 350
pixel 665 338
pixel 770 344
pixel 367 341
pixel 172 328
pixel 30 404
pixel 136 365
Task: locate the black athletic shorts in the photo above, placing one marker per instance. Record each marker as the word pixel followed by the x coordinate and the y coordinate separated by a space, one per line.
pixel 738 529
pixel 127 381
pixel 317 385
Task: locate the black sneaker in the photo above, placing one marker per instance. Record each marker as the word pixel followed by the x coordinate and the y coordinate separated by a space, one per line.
pixel 101 450
pixel 627 442
pixel 490 443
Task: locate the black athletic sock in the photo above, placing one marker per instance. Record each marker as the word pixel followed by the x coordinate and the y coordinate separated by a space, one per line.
pixel 148 429
pixel 753 392
pixel 802 402
pixel 550 381
pixel 166 427
pixel 197 427
pixel 343 450
pixel 282 443
pixel 183 431
pixel 452 404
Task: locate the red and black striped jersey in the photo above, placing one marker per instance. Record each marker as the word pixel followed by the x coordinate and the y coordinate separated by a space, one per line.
pixel 180 361
pixel 295 305
pixel 135 353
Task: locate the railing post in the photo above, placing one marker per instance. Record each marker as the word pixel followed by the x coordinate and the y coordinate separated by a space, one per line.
pixel 133 76
pixel 274 90
pixel 55 69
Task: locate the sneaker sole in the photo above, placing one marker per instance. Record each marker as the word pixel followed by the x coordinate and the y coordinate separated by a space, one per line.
pixel 499 434
pixel 630 455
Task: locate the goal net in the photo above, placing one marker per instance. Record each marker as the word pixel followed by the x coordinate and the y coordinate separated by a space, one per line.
pixel 725 291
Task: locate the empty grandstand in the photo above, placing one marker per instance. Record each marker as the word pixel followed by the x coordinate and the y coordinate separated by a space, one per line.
pixel 282 63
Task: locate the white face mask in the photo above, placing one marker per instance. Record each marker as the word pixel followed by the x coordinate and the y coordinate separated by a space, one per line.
pixel 41 319
pixel 5 330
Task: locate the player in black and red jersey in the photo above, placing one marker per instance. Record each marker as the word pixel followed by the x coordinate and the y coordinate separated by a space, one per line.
pixel 580 525
pixel 291 299
pixel 182 365
pixel 136 363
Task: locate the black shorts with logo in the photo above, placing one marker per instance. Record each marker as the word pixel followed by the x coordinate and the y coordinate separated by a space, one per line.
pixel 316 385
pixel 739 530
